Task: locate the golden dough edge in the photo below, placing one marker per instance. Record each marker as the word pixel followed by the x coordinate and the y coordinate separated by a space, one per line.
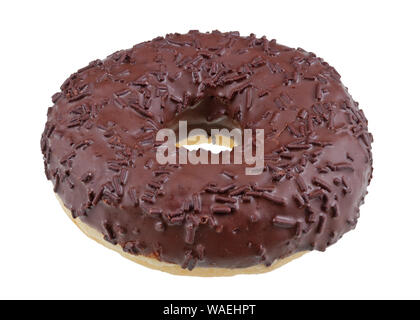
pixel 175 269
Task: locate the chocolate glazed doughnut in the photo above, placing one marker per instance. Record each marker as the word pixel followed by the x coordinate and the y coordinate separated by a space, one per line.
pixel 100 149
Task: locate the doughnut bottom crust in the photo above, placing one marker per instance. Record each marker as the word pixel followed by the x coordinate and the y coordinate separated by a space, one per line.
pixel 174 268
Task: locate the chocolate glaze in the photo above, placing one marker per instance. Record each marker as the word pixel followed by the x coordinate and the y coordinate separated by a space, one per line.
pixel 99 151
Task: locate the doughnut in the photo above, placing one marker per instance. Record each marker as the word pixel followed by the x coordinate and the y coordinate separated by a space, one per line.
pixel 101 143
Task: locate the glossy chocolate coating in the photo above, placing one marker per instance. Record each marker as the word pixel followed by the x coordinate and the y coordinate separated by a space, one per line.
pixel 100 151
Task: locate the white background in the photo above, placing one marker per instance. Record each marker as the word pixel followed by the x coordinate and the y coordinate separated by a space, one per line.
pixel 373 44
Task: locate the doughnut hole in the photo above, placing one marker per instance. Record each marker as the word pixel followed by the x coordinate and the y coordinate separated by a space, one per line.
pixel 208 114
